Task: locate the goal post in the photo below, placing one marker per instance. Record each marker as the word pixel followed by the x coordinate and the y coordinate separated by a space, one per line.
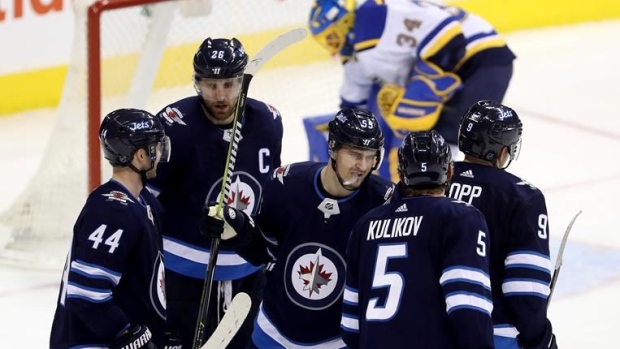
pixel 144 75
pixel 138 54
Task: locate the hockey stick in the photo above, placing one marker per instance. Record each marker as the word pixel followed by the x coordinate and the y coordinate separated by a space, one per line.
pixel 231 322
pixel 558 261
pixel 266 53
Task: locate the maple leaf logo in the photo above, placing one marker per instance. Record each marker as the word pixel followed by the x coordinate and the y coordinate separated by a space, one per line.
pixel 314 276
pixel 238 201
pixel 235 197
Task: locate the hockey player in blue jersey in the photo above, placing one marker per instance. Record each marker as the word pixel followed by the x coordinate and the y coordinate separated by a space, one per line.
pixel 516 213
pixel 415 64
pixel 200 126
pixel 112 293
pixel 418 268
pixel 306 216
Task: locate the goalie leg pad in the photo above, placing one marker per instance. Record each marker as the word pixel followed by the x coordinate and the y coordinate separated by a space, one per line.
pixel 317 131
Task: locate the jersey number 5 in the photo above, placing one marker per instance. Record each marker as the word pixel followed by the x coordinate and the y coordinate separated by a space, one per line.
pixel 392 280
pixel 112 241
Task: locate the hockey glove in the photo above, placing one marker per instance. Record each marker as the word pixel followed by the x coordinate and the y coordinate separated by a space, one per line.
pixel 227 223
pixel 387 97
pixel 417 106
pixel 137 337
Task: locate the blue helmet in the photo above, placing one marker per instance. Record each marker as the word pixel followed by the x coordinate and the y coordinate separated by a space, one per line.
pixel 330 22
pixel 358 128
pixel 124 131
pixel 487 128
pixel 424 159
pixel 219 59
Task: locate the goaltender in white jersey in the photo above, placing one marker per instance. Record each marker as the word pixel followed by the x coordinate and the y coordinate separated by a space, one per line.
pixel 415 64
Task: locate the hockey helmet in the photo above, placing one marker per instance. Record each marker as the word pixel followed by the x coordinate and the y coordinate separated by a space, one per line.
pixel 219 59
pixel 424 159
pixel 487 128
pixel 124 131
pixel 330 22
pixel 358 128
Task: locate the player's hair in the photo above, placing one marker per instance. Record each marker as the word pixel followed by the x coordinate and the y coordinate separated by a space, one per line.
pixel 424 159
pixel 358 128
pixel 124 131
pixel 487 128
pixel 330 23
pixel 219 59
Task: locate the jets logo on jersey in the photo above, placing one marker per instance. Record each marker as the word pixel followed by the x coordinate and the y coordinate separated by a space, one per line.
pixel 314 276
pixel 119 196
pixel 280 173
pixel 243 194
pixel 172 115
pixel 158 287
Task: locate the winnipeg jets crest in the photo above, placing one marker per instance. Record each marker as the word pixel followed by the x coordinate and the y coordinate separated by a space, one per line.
pixel 314 276
pixel 243 194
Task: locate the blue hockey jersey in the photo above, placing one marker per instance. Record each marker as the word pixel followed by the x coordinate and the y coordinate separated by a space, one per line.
pixel 307 231
pixel 516 214
pixel 114 274
pixel 417 277
pixel 193 177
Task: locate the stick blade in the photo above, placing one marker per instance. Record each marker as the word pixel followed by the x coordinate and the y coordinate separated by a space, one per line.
pixel 274 47
pixel 231 322
pixel 558 260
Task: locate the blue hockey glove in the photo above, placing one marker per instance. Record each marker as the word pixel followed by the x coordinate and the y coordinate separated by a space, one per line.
pixel 137 337
pixel 227 223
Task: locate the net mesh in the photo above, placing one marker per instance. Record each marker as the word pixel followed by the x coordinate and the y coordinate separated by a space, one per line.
pixel 146 54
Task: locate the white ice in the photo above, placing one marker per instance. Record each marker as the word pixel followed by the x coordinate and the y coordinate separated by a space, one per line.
pixel 565 88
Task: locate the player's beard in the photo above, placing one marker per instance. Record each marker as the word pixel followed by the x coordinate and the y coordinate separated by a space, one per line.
pixel 220 110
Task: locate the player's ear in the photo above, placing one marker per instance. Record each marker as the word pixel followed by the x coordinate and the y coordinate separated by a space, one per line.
pixel 140 155
pixel 450 171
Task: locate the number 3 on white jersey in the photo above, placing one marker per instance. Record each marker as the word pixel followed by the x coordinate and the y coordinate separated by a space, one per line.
pixel 392 280
pixel 112 241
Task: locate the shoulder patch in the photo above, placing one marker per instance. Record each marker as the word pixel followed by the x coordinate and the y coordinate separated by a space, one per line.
pixel 526 183
pixel 274 111
pixel 280 173
pixel 119 196
pixel 172 115
pixel 389 193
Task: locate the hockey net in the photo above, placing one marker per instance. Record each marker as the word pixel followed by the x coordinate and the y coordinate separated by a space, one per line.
pixel 138 53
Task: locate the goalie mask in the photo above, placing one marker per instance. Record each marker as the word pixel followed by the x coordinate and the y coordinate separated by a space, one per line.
pixel 487 128
pixel 424 159
pixel 330 22
pixel 125 131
